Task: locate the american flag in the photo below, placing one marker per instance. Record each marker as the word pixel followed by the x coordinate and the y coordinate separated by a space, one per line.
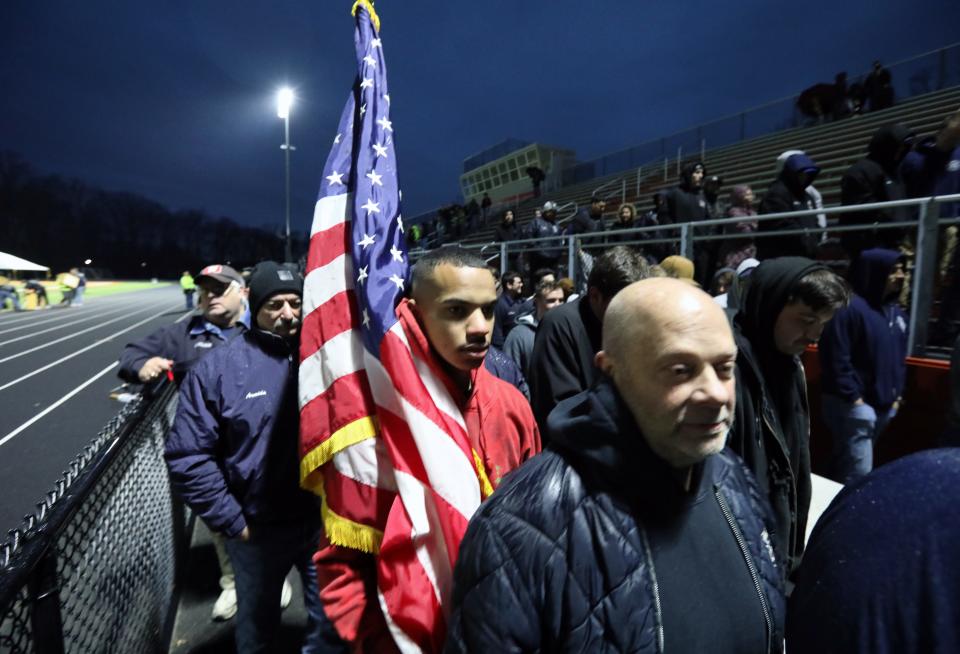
pixel 382 439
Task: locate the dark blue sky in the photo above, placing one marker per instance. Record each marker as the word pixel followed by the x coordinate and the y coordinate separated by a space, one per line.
pixel 176 100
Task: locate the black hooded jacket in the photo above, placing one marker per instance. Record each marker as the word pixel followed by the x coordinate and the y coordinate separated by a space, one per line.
pixel 595 546
pixel 685 202
pixel 876 178
pixel 789 193
pixel 772 426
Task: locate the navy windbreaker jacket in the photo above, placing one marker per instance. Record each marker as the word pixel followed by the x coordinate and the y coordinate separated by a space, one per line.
pixel 232 451
pixel 183 342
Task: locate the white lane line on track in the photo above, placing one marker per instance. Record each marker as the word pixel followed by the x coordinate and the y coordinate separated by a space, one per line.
pixel 12 317
pixel 58 402
pixel 60 316
pixel 73 335
pixel 69 324
pixel 81 351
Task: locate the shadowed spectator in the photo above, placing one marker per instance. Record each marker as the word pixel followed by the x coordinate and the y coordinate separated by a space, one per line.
pixel 878 88
pixel 732 250
pixel 568 337
pixel 519 342
pixel 863 362
pixel 685 202
pixel 550 253
pixel 505 313
pixel 881 574
pixel 789 193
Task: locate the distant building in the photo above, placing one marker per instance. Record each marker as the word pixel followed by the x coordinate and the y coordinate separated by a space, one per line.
pixel 501 170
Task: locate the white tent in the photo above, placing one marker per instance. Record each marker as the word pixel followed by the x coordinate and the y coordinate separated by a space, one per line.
pixel 10 262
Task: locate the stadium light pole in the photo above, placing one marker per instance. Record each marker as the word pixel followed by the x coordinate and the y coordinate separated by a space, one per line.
pixel 284 102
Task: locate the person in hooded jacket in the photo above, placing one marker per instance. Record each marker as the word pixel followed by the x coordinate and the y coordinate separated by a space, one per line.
pixel 519 343
pixel 882 177
pixel 543 226
pixel 783 308
pixel 685 202
pixel 789 193
pixel 881 575
pixel 733 251
pixel 863 362
pixel 636 531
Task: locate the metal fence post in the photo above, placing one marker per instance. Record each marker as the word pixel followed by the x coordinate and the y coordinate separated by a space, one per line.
pixel 686 240
pixel 703 150
pixel 679 155
pixel 639 177
pixel 623 190
pixel 45 619
pixel 571 258
pixel 665 172
pixel 503 257
pixel 924 272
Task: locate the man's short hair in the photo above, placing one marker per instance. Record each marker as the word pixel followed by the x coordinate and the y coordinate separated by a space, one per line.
pixel 454 255
pixel 616 269
pixel 540 273
pixel 821 289
pixel 547 287
pixel 508 277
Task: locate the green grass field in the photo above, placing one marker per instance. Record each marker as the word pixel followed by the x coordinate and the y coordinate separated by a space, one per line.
pixel 97 289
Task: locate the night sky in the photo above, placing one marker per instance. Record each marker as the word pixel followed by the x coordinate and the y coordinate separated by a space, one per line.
pixel 175 100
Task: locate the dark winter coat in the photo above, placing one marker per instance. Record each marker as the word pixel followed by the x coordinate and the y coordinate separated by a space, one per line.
pixel 685 202
pixel 232 450
pixel 182 342
pixel 788 193
pixel 771 430
pixel 540 227
pixel 584 222
pixel 506 232
pixel 881 575
pixel 576 551
pixel 562 365
pixel 863 349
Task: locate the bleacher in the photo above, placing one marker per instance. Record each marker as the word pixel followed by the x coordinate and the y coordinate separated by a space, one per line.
pixel 833 145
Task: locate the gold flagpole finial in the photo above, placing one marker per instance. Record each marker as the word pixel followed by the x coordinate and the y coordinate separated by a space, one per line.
pixel 368 5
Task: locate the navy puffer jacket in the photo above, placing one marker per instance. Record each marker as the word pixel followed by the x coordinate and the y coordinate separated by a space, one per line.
pixel 559 559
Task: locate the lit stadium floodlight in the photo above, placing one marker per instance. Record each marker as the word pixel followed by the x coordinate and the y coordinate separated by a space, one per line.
pixel 284 102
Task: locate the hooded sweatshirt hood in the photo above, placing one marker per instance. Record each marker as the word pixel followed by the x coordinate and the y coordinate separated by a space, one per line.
pixel 886 146
pixel 686 174
pixel 598 427
pixel 765 295
pixel 792 169
pixel 869 275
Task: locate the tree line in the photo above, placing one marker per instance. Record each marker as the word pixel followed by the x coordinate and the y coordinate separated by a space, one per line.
pixel 61 222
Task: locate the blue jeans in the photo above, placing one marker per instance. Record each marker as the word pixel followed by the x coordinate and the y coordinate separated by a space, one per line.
pixel 188 299
pixel 77 300
pixel 855 429
pixel 260 566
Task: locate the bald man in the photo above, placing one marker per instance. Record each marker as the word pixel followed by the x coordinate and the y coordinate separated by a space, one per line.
pixel 635 530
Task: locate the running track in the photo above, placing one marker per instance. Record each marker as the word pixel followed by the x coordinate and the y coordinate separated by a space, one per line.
pixel 57 368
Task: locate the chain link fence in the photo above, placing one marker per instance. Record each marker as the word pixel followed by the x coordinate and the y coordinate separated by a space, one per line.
pixel 94 569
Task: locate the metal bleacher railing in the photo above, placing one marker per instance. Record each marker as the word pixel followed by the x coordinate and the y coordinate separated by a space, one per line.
pixel 685 237
pixel 94 569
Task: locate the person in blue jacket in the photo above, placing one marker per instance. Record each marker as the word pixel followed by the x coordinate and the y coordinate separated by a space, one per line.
pixel 863 362
pixel 232 455
pixel 636 530
pixel 178 346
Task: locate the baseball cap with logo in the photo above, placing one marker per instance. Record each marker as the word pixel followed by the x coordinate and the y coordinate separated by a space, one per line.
pixel 220 273
pixel 549 205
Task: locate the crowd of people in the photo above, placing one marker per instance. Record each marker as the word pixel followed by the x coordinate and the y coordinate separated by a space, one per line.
pixel 650 445
pixel 649 441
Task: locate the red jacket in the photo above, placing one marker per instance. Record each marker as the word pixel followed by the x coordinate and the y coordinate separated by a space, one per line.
pixel 502 431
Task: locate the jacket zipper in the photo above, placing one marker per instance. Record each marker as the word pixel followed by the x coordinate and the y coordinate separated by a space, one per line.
pixel 656 591
pixel 793 487
pixel 749 559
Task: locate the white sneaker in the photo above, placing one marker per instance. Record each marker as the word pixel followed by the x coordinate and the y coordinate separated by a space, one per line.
pixel 286 594
pixel 226 605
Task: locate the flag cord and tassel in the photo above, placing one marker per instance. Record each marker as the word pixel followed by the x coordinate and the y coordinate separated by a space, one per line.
pixel 368 5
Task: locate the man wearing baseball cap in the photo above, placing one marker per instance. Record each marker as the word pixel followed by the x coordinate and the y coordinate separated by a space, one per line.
pixel 175 348
pixel 549 254
pixel 233 457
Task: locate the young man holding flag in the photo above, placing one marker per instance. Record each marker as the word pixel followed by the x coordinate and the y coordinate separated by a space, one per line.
pixel 403 431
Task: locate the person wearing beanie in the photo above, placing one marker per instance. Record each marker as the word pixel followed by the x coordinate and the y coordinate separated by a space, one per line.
pixel 679 268
pixel 233 457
